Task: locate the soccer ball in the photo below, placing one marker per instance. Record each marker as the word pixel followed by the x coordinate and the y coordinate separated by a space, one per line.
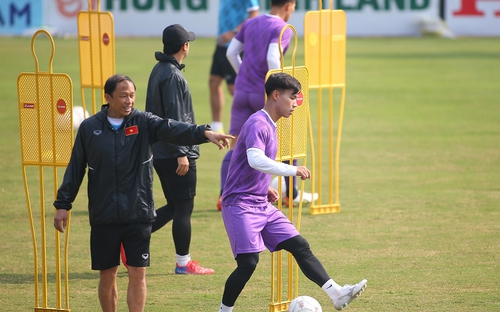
pixel 304 304
pixel 79 115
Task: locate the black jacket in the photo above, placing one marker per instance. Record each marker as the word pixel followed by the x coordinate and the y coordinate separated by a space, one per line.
pixel 168 96
pixel 120 167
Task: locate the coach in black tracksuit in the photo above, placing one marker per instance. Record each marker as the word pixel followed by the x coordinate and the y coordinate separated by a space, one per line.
pixel 116 146
pixel 168 96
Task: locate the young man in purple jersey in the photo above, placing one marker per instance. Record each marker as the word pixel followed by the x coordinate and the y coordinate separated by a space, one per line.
pixel 232 14
pixel 258 39
pixel 252 222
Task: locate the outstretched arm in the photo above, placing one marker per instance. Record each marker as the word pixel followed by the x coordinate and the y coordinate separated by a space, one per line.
pixel 219 139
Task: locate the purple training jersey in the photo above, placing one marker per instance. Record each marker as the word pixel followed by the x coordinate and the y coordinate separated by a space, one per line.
pixel 246 186
pixel 256 34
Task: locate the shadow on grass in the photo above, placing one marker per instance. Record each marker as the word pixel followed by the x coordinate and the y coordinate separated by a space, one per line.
pixel 51 277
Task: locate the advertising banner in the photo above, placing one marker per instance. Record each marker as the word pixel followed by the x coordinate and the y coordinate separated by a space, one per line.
pixel 140 17
pixel 474 17
pixel 18 16
pixel 386 17
pixel 150 17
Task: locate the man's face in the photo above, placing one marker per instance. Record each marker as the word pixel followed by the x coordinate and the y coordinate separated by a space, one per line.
pixel 287 102
pixel 121 102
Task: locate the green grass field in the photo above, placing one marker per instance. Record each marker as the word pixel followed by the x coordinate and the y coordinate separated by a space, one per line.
pixel 419 186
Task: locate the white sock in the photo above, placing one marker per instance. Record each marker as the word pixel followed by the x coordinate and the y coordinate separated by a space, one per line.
pixel 182 261
pixel 332 289
pixel 216 126
pixel 224 308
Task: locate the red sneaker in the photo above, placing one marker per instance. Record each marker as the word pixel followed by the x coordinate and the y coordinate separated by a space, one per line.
pixel 124 257
pixel 286 202
pixel 192 268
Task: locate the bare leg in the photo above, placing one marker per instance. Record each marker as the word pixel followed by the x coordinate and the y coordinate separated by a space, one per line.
pixel 108 292
pixel 216 97
pixel 230 88
pixel 137 291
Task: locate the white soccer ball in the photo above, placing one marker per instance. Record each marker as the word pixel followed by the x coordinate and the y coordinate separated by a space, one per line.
pixel 79 115
pixel 304 304
pixel 274 185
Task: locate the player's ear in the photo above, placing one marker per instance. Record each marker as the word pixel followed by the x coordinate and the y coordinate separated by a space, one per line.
pixel 276 95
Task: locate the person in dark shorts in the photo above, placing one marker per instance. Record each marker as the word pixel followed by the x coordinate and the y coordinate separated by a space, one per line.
pixel 116 146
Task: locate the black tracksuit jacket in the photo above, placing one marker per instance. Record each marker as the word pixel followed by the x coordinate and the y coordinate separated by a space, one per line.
pixel 120 165
pixel 168 96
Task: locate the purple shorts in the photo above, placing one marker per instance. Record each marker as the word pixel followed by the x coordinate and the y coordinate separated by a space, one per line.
pixel 253 229
pixel 244 105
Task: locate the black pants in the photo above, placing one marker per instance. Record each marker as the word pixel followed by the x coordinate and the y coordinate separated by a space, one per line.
pixel 179 192
pixel 246 264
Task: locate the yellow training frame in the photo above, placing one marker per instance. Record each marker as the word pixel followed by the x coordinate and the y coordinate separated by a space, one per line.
pixel 96 43
pixel 45 102
pixel 324 54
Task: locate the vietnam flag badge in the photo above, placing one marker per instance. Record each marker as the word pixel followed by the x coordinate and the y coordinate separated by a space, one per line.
pixel 131 130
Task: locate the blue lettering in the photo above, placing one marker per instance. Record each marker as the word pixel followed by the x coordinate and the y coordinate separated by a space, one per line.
pixel 25 11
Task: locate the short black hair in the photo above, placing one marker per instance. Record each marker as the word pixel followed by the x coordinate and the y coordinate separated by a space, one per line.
pixel 282 81
pixel 171 50
pixel 113 81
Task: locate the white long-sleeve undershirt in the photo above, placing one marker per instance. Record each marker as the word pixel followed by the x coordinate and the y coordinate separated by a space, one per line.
pixel 258 160
pixel 273 56
pixel 233 54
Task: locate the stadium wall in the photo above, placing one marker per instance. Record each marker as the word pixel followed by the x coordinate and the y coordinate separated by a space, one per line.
pixel 149 17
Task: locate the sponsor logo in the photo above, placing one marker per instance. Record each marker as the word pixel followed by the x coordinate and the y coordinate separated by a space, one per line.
pixel 145 256
pixel 469 8
pixel 61 106
pixel 377 5
pixel 71 8
pixel 97 132
pixel 105 39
